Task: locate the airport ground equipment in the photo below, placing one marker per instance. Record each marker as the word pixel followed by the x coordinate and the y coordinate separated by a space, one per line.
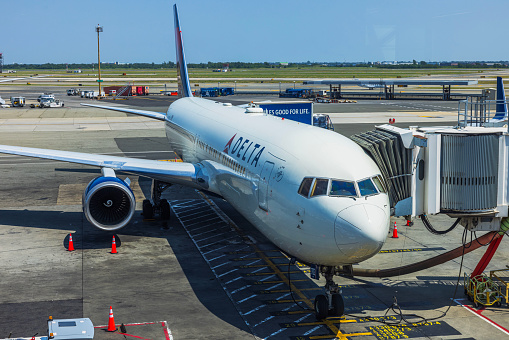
pixel 217 91
pixel 17 101
pixel 481 290
pixel 496 276
pixel 45 96
pixel 51 102
pixel 70 329
pixel 73 92
pixel 323 121
pixel 296 93
pixel 461 171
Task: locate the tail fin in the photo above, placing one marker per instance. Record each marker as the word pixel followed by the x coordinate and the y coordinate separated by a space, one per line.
pixel 501 104
pixel 184 89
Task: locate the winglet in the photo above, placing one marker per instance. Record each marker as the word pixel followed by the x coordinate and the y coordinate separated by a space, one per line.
pixel 184 89
pixel 501 104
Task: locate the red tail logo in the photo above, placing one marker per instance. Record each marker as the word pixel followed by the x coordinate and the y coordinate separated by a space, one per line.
pixel 227 146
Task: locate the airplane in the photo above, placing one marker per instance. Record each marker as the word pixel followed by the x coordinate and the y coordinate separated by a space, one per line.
pixel 312 192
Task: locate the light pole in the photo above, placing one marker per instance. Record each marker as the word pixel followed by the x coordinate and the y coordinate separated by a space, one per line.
pixel 99 29
pixel 235 86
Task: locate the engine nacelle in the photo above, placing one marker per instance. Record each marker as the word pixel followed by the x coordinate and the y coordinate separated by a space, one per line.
pixel 108 203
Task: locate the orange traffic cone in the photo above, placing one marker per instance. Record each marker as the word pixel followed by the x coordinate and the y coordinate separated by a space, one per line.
pixel 113 246
pixel 407 223
pixel 71 244
pixel 395 231
pixel 111 322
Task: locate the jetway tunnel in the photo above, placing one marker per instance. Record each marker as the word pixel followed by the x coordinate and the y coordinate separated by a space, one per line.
pixel 461 171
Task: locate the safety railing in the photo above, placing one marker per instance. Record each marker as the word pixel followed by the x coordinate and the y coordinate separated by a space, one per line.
pixel 477 111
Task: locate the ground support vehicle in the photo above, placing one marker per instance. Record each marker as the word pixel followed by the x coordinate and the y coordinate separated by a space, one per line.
pixel 17 101
pixel 51 103
pixel 323 121
pixel 73 92
pixel 45 96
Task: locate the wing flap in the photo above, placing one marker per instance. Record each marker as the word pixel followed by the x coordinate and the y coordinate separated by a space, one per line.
pixel 150 114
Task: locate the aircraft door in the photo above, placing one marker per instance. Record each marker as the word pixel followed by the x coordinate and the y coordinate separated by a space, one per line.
pixel 263 185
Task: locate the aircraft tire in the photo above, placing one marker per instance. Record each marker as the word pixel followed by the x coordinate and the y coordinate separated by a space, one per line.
pixel 338 305
pixel 321 307
pixel 165 210
pixel 148 210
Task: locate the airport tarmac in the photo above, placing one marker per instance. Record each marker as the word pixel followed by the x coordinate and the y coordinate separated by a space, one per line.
pixel 206 273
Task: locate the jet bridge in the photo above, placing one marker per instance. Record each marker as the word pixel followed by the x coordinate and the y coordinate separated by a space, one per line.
pixel 461 170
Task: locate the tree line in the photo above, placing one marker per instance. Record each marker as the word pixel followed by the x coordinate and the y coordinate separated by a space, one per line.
pixel 246 65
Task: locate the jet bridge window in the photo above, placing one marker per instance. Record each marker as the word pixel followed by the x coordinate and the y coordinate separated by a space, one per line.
pixel 305 186
pixel 367 187
pixel 320 187
pixel 342 188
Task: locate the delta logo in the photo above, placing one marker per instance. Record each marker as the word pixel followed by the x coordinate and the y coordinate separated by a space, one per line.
pixel 244 149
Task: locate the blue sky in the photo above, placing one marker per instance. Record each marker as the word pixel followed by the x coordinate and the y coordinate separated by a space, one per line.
pixel 58 31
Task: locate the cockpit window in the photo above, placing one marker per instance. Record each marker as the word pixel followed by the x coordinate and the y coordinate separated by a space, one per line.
pixel 320 187
pixel 379 184
pixel 342 188
pixel 305 186
pixel 367 187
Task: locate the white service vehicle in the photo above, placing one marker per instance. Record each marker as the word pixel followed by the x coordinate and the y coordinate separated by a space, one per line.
pixel 51 102
pixel 45 96
pixel 17 101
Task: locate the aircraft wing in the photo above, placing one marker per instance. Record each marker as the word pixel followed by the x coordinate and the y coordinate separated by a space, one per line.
pixel 14 79
pixel 172 172
pixel 150 114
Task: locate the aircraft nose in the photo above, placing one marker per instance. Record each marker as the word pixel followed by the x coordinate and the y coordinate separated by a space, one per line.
pixel 361 230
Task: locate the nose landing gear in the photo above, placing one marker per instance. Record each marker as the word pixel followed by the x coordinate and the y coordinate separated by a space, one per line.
pixel 330 304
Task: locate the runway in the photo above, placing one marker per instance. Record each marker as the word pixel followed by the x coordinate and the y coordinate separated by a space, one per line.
pixel 207 273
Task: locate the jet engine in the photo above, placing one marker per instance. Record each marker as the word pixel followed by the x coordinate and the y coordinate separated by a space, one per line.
pixel 108 203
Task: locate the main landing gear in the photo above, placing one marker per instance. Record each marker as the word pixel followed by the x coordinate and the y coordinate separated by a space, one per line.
pixel 158 205
pixel 330 304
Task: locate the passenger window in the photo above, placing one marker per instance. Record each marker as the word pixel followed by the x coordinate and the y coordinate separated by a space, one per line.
pixel 379 183
pixel 342 188
pixel 320 187
pixel 367 187
pixel 305 186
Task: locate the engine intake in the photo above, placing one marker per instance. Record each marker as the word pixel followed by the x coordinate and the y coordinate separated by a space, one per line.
pixel 108 203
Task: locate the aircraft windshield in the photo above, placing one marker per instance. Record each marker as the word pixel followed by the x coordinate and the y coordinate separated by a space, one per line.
pixel 342 188
pixel 311 187
pixel 305 186
pixel 320 187
pixel 367 187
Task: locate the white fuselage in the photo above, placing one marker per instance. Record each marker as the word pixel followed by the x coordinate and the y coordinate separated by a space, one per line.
pixel 265 159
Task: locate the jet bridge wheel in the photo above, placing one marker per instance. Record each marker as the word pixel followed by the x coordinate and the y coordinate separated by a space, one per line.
pixel 321 307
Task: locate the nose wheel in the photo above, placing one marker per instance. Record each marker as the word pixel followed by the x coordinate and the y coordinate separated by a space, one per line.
pixel 331 303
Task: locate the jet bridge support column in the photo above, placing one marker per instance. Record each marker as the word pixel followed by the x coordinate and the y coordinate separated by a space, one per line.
pixel 446 92
pixel 492 248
